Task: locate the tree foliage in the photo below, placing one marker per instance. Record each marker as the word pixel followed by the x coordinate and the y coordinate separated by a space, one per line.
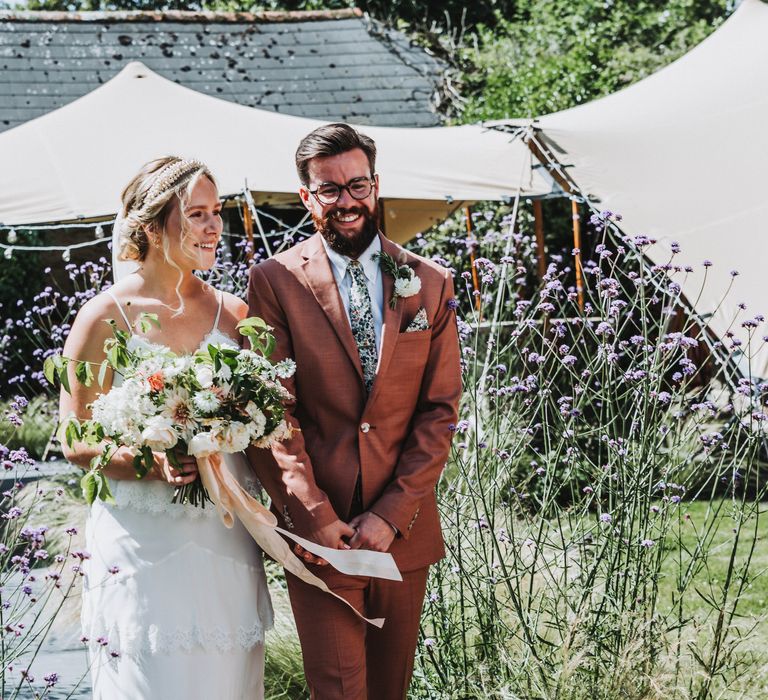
pixel 549 55
pixel 195 6
pixel 417 14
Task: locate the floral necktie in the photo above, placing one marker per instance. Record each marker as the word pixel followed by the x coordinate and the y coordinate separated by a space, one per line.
pixel 361 320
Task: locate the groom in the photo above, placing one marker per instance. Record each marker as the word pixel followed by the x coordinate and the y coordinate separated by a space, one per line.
pixel 377 386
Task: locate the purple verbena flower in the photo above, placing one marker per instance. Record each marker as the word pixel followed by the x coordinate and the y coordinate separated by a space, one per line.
pixel 51 679
pixel 604 328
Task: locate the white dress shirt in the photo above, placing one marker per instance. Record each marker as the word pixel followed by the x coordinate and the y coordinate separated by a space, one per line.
pixel 372 273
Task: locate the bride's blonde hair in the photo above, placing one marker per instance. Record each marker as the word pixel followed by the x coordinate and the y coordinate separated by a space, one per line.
pixel 148 200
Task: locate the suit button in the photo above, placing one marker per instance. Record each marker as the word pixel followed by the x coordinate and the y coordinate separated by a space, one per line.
pixel 365 427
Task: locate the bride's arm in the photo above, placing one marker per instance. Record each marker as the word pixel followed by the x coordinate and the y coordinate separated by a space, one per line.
pixel 86 343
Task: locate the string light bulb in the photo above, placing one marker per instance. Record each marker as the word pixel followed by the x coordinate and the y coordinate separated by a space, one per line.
pixel 99 232
pixel 8 253
pixel 13 236
pixel 66 255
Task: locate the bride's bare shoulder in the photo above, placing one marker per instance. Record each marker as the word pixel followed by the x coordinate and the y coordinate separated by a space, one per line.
pixel 234 306
pixel 97 311
pixel 91 328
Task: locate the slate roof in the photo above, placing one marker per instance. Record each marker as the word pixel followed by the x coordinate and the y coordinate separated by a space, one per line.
pixel 334 65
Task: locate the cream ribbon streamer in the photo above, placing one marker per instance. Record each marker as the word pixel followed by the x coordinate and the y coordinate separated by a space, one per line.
pixel 232 500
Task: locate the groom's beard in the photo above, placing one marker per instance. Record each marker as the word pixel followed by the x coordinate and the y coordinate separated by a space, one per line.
pixel 354 245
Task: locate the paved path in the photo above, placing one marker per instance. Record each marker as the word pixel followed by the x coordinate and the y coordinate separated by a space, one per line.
pixel 39 470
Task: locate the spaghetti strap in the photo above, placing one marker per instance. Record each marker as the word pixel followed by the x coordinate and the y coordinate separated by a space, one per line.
pixel 122 313
pixel 218 311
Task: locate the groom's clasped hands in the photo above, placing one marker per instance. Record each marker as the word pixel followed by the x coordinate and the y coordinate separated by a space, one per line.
pixel 364 531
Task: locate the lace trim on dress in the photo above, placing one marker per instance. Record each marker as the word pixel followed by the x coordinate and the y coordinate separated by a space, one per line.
pixel 154 641
pixel 154 497
pixel 217 337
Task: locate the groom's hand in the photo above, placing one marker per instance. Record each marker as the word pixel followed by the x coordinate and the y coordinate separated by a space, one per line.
pixel 329 536
pixel 372 532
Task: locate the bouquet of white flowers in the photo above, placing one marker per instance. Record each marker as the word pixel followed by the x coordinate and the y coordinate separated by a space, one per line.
pixel 221 399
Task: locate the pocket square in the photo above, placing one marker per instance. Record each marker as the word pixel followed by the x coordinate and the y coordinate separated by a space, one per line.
pixel 419 322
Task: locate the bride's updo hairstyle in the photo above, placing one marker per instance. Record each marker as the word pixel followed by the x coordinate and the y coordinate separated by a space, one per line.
pixel 148 200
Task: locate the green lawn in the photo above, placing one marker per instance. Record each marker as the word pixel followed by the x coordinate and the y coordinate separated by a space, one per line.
pixel 750 622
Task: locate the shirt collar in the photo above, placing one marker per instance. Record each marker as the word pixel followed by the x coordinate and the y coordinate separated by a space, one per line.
pixel 366 259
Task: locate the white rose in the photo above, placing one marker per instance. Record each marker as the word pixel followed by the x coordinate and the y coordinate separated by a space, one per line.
pixel 282 432
pixel 159 433
pixel 203 445
pixel 236 437
pixel 407 287
pixel 204 375
pixel 258 419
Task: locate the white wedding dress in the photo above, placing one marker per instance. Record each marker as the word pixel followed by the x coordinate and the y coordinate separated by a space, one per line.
pixel 186 612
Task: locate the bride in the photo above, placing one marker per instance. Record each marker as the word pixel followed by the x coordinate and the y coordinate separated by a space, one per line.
pixel 175 605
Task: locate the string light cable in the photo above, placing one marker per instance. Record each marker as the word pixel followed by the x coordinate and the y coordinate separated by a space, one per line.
pixel 8 248
pixel 13 236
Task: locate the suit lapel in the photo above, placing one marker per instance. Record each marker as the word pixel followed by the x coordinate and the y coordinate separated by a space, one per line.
pixel 319 275
pixel 392 318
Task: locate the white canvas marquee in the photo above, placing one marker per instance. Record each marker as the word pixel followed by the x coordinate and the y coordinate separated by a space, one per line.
pixel 73 162
pixel 682 157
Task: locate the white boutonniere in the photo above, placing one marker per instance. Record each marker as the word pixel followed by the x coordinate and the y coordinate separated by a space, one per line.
pixel 407 283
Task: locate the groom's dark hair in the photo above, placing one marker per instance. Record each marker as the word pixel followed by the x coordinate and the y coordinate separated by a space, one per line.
pixel 332 140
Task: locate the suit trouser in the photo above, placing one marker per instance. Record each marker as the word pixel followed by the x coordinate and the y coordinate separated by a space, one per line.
pixel 346 658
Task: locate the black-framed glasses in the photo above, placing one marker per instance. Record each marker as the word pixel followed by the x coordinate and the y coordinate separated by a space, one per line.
pixel 329 192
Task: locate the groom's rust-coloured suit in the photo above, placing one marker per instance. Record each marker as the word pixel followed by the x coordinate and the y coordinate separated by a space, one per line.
pixel 395 440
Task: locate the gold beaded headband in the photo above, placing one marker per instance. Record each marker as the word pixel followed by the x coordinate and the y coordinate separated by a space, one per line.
pixel 171 175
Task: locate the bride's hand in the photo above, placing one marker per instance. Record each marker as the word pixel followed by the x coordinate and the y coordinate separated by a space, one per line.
pixel 163 470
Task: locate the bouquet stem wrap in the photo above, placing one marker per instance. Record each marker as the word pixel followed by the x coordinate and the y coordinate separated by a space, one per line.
pixel 233 501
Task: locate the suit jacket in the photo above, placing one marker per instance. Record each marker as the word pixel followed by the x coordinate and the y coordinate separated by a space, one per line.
pixel 397 438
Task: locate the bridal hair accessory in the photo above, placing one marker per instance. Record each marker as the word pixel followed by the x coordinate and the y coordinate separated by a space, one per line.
pixel 169 176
